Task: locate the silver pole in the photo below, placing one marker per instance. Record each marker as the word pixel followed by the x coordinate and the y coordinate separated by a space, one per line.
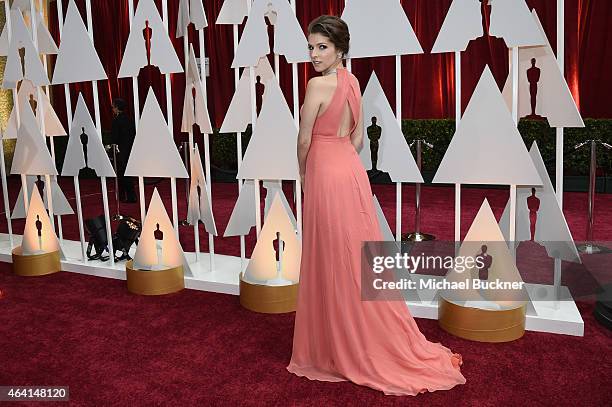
pixel 186 150
pixel 114 148
pixel 592 173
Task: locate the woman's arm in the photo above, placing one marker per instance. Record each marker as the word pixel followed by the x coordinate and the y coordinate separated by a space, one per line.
pixel 308 116
pixel 357 136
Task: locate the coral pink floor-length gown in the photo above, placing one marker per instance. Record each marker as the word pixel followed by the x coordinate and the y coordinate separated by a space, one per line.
pixel 337 336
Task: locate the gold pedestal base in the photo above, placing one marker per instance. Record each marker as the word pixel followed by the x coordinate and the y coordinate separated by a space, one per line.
pixel 481 325
pixel 268 299
pixel 35 264
pixel 154 282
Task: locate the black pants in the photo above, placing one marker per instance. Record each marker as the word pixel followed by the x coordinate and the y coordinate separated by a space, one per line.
pixel 126 184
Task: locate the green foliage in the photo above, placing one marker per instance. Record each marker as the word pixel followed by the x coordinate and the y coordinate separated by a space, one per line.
pixel 440 132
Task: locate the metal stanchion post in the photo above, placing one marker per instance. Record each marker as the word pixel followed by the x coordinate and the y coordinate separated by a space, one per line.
pixel 417 236
pixel 589 247
pixel 185 147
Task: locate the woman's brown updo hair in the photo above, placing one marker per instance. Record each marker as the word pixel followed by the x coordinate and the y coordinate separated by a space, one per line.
pixel 333 28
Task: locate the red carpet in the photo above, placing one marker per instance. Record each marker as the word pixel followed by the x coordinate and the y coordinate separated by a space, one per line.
pixel 197 348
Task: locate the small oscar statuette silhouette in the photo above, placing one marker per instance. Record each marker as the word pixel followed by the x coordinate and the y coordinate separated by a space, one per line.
pixel 533 77
pixel 533 204
pixel 374 133
pixel 39 232
pixel 22 60
pixel 147 33
pixel 159 238
pixel 84 139
pixel 199 189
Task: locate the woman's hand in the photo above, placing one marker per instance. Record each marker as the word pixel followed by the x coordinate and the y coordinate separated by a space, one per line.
pixel 302 179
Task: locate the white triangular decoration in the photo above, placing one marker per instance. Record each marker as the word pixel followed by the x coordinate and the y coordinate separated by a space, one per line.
pixel 23 5
pixel 485 231
pixel 77 59
pixel 199 114
pixel 200 207
pixel 238 114
pixel 46 44
pixel 274 188
pixel 263 265
pixel 382 221
pixel 271 150
pixel 512 21
pixel 53 125
pixel 4 41
pixel 243 215
pixel 233 12
pixel 394 155
pixel 61 206
pixel 368 40
pixel 289 39
pixel 38 221
pixel 83 133
pixel 551 228
pixel 21 38
pixel 162 55
pixel 487 147
pixel 159 254
pixel 31 155
pixel 190 11
pixel 463 23
pixel 553 98
pixel 154 153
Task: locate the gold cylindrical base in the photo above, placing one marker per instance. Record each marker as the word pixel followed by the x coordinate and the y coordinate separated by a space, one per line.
pixel 268 299
pixel 35 264
pixel 154 282
pixel 481 325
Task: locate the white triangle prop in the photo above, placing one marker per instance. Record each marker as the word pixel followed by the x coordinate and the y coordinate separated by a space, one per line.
pixel 487 147
pixel 31 155
pixel 23 5
pixel 289 39
pixel 369 40
pixel 463 23
pixel 484 231
pixel 382 221
pixel 21 38
pixel 83 131
pixel 271 150
pixel 77 59
pixel 274 188
pixel 263 265
pixel 512 21
pixel 242 219
pixel 46 44
pixel 233 12
pixel 238 114
pixel 153 254
pixel 154 153
pixel 200 208
pixel 61 206
pixel 199 114
pixel 31 243
pixel 553 99
pixel 551 228
pixel 53 125
pixel 163 54
pixel 190 11
pixel 4 41
pixel 394 155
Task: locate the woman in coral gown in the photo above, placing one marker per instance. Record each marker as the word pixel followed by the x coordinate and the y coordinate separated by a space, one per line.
pixel 338 336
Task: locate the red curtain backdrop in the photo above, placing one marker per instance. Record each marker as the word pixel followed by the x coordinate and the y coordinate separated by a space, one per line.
pixel 427 79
